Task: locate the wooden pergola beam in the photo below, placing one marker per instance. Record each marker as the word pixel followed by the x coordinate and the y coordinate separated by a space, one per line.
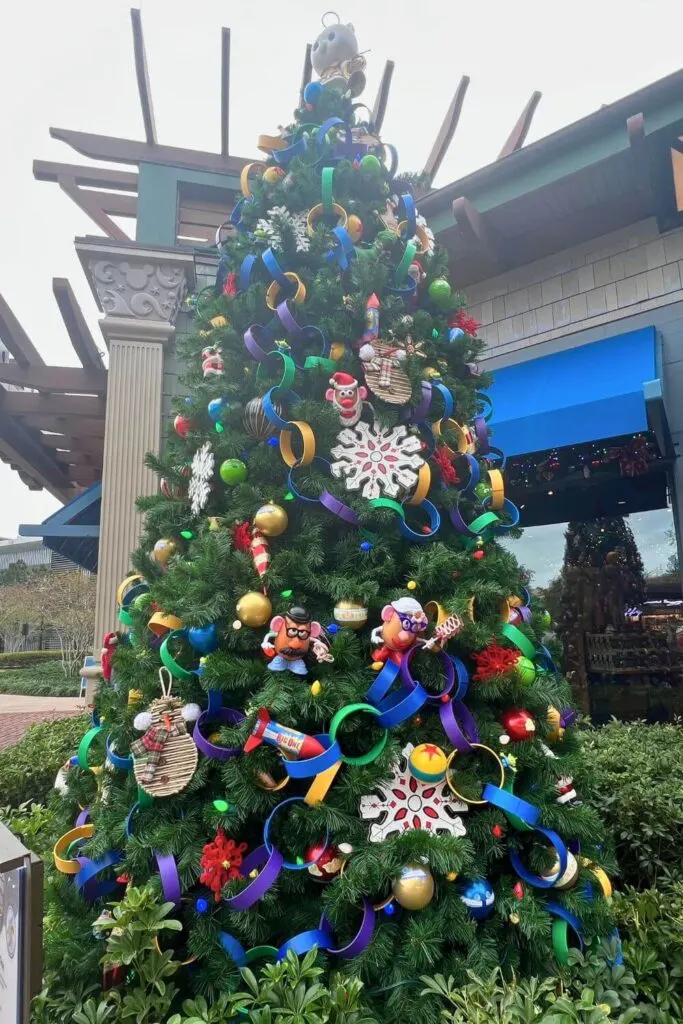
pixel 82 340
pixel 475 230
pixel 128 151
pixel 380 106
pixel 16 340
pixel 306 73
pixel 447 130
pixel 23 403
pixel 225 91
pixel 89 430
pixel 517 136
pixel 142 75
pixel 90 177
pixel 19 447
pixel 88 202
pixel 77 458
pixel 62 379
pixel 635 128
pixel 92 446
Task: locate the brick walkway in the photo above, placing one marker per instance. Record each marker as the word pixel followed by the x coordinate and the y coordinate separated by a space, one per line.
pixel 18 713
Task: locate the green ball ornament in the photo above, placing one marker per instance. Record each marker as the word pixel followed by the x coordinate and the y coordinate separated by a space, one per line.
pixel 482 491
pixel 233 472
pixel 440 293
pixel 371 164
pixel 525 670
pixel 546 619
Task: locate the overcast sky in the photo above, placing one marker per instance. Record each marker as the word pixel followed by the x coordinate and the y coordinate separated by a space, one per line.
pixel 70 64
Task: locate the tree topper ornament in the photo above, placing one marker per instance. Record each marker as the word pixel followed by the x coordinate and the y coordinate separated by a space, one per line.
pixel 377 460
pixel 335 57
pixel 402 622
pixel 289 640
pixel 402 802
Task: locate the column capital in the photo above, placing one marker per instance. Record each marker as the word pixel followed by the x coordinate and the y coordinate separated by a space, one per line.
pixel 138 289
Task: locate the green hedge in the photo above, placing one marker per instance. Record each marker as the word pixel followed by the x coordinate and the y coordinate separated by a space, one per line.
pixel 20 659
pixel 28 769
pixel 42 680
pixel 636 783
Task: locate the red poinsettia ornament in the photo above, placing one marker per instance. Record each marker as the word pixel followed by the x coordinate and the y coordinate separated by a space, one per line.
pixel 494 661
pixel 230 286
pixel 444 460
pixel 466 323
pixel 221 861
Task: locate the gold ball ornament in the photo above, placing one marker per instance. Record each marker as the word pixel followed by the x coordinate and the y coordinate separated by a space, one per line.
pixel 570 876
pixel 514 919
pixel 271 520
pixel 411 584
pixel 414 890
pixel 254 609
pixel 350 613
pixel 164 550
pixel 316 688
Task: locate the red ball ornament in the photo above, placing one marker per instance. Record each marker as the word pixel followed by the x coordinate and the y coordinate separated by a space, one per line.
pixel 182 425
pixel 478 554
pixel 518 724
pixel 326 861
pixel 497 832
pixel 518 891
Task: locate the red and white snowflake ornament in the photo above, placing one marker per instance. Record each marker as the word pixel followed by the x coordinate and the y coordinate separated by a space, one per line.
pixel 402 803
pixel 377 460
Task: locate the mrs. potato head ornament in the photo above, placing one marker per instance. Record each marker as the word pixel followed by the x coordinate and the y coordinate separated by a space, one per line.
pixel 347 397
pixel 402 623
pixel 290 639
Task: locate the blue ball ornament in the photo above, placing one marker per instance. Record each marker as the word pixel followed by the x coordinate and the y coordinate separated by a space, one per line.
pixel 312 92
pixel 478 898
pixel 204 639
pixel 201 905
pixel 366 546
pixel 216 408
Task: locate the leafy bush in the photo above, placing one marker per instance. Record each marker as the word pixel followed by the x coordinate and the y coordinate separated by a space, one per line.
pixel 20 659
pixel 28 769
pixel 636 784
pixel 45 679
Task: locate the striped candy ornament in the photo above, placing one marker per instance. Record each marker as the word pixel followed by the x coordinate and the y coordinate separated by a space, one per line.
pixel 260 552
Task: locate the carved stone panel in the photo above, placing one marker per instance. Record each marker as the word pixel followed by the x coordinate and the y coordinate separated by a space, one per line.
pixel 137 287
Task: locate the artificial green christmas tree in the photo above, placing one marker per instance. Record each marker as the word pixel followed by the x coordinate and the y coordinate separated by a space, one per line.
pixel 358 741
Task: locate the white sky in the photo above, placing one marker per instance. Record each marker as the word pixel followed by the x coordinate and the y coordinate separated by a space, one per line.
pixel 70 64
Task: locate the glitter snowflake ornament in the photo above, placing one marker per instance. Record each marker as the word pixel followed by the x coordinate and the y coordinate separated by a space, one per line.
pixel 200 478
pixel 280 220
pixel 377 460
pixel 402 803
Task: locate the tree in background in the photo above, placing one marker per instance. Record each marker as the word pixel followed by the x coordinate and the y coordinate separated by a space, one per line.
pixel 602 575
pixel 353 679
pixel 65 602
pixel 17 615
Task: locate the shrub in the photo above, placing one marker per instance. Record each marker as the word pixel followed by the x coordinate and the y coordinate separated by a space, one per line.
pixel 45 679
pixel 28 769
pixel 636 784
pixel 20 659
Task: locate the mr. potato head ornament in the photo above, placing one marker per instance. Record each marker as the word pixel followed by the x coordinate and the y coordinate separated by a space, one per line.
pixel 402 623
pixel 290 639
pixel 347 397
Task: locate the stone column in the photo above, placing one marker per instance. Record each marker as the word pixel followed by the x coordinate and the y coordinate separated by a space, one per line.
pixel 140 292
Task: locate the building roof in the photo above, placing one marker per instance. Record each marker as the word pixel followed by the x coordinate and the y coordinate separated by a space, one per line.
pixel 609 169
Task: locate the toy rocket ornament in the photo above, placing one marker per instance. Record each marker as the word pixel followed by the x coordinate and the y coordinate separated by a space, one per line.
pixel 371 332
pixel 288 741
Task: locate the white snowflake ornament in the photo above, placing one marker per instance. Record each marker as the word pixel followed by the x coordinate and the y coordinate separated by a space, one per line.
pixel 200 478
pixel 402 803
pixel 280 219
pixel 377 460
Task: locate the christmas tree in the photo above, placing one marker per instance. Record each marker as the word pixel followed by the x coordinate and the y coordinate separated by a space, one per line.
pixel 357 740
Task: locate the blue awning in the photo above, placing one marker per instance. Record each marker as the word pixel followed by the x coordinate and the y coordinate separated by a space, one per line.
pixel 73 531
pixel 606 389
